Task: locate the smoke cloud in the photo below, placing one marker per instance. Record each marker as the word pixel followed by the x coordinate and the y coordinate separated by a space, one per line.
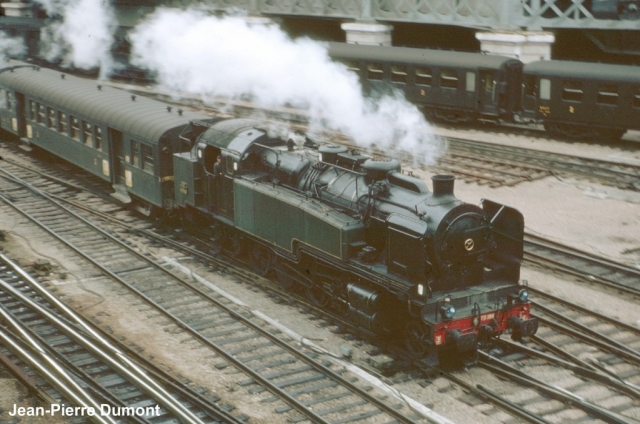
pixel 79 32
pixel 191 51
pixel 10 47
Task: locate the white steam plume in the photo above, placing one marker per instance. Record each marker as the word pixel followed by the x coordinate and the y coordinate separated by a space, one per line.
pixel 196 53
pixel 79 32
pixel 10 46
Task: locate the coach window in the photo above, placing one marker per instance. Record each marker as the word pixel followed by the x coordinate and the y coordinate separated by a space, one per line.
pixel 423 76
pixel 135 154
pixel 62 120
pixel 607 94
pixel 33 107
pixel 41 114
pixel 374 71
pixel 75 128
pixel 8 98
pixel 399 74
pixel 98 131
pixel 147 157
pixel 51 118
pixel 572 91
pixel 352 65
pixel 471 81
pixel 448 78
pixel 545 89
pixel 88 134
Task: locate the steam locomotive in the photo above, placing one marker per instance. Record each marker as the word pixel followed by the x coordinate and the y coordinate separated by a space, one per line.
pixel 377 244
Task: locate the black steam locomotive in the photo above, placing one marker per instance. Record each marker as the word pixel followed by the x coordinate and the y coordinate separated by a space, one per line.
pixel 354 232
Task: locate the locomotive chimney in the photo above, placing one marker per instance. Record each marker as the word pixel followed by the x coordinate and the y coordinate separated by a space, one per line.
pixel 442 184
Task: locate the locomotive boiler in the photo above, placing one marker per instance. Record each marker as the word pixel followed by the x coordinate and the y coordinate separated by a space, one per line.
pixel 361 235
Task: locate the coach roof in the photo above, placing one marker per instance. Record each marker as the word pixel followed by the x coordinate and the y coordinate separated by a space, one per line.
pixel 137 116
pixel 585 71
pixel 408 55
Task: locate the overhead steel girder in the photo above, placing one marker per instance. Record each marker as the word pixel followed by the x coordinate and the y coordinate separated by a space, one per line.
pixel 483 14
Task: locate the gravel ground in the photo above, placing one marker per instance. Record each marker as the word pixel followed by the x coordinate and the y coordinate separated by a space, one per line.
pixel 606 223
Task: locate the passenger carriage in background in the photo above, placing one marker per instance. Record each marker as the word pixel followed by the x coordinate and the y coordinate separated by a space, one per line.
pixel 575 100
pixel 582 100
pixel 453 86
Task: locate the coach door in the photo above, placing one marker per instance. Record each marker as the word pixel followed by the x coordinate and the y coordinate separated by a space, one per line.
pixel 20 114
pixel 487 98
pixel 117 153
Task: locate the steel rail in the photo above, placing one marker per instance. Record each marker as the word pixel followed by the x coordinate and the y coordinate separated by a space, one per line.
pixel 143 379
pixel 489 395
pixel 594 168
pixel 128 369
pixel 597 340
pixel 582 309
pixel 498 366
pixel 586 330
pixel 572 363
pixel 104 341
pixel 58 378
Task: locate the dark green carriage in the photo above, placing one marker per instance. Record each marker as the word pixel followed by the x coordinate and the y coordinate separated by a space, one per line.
pixel 578 100
pixel 124 139
pixel 457 85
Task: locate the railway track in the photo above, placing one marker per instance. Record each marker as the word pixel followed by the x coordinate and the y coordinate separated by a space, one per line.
pixel 593 372
pixel 590 268
pixel 315 388
pixel 67 361
pixel 624 176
